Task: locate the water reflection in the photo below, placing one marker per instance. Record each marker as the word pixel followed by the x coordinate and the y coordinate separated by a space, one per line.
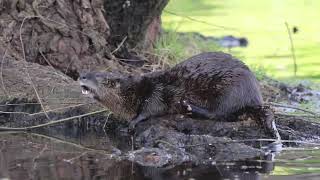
pixel 34 156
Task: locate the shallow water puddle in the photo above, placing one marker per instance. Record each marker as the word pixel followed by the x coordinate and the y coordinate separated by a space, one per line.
pixel 35 156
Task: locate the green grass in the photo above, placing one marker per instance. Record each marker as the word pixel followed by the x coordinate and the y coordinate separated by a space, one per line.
pixel 175 47
pixel 263 23
pixel 295 162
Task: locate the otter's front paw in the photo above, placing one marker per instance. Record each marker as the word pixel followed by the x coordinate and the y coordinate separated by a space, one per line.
pixel 132 125
pixel 196 111
pixel 135 121
pixel 186 106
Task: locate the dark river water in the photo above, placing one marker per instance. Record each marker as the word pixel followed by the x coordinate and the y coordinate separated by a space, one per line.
pixel 94 156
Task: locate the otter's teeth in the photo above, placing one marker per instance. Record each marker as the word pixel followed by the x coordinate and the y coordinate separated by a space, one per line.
pixel 85 92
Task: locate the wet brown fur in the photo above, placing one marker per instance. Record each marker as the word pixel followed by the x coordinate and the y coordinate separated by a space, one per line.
pixel 214 81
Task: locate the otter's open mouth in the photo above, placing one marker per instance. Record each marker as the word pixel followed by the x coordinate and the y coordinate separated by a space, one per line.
pixel 86 90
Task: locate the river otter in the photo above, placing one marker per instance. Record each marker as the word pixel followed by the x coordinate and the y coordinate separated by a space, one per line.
pixel 212 84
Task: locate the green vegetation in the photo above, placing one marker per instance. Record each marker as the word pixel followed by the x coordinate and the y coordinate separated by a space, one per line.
pixel 263 23
pixel 259 71
pixel 176 47
pixel 297 162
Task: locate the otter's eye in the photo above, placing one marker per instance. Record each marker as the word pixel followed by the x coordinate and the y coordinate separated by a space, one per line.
pixel 112 84
pixel 106 82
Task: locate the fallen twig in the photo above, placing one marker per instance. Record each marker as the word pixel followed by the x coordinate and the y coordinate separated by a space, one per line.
pixel 37 113
pixel 76 157
pixel 200 21
pixel 50 123
pixel 9 112
pixel 35 103
pixel 1 73
pixel 293 107
pixel 33 114
pixel 300 149
pixel 240 141
pixel 275 140
pixel 105 124
pixel 27 71
pixel 297 115
pixel 295 68
pixel 45 148
pixel 119 46
pixel 44 57
pixel 71 143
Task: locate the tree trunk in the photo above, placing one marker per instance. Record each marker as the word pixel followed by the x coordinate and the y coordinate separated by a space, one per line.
pixel 77 35
pixel 131 20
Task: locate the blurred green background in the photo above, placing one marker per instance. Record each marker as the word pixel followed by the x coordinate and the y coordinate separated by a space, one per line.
pixel 263 23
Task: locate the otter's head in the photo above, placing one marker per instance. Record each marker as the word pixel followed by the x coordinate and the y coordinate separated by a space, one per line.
pixel 101 86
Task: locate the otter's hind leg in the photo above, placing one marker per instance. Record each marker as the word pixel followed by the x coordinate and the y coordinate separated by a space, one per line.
pixel 267 120
pixel 136 120
pixel 197 111
pixel 144 115
pixel 152 106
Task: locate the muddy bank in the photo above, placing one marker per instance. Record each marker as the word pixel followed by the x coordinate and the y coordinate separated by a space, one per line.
pixel 168 140
pixel 163 141
pixel 32 94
